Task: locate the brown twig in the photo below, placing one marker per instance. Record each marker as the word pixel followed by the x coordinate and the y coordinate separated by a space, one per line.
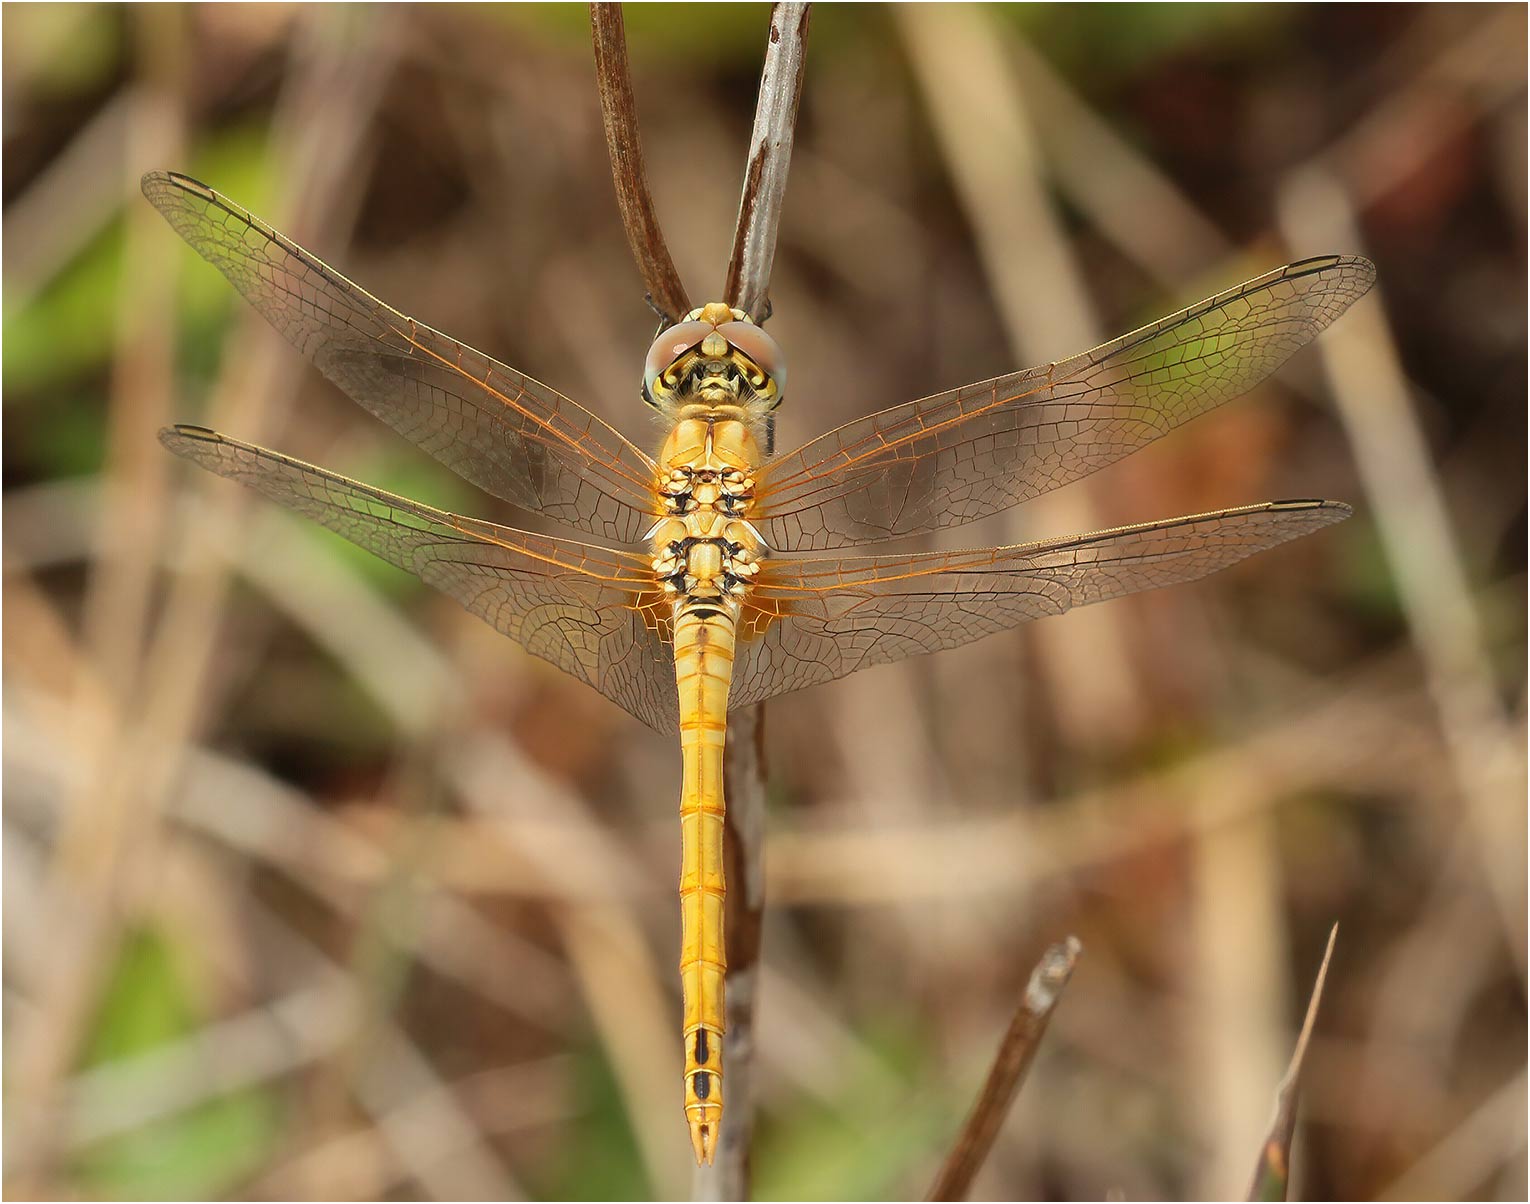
pixel 770 153
pixel 1016 1053
pixel 1272 1173
pixel 744 770
pixel 618 111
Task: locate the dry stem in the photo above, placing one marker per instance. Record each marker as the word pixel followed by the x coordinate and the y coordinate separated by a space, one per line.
pixel 1016 1053
pixel 744 769
pixel 770 153
pixel 618 111
pixel 747 287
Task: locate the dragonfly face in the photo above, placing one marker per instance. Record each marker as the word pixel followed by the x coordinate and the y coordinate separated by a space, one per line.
pixel 716 357
pixel 710 616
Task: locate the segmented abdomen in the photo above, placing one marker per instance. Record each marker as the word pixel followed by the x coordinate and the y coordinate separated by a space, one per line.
pixel 704 637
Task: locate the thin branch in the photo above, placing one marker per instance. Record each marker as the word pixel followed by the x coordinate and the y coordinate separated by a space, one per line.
pixel 744 770
pixel 1016 1053
pixel 618 111
pixel 770 154
pixel 1272 1173
pixel 747 288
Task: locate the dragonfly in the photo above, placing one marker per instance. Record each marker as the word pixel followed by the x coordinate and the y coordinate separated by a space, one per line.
pixel 721 578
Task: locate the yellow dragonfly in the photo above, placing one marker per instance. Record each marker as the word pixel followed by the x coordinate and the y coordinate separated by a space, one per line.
pixel 699 611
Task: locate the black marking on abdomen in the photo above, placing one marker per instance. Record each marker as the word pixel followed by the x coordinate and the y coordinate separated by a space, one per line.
pixel 702 1082
pixel 702 1052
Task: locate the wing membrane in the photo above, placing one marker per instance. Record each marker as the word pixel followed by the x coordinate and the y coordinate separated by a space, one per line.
pixel 591 611
pixel 815 620
pixel 964 454
pixel 503 431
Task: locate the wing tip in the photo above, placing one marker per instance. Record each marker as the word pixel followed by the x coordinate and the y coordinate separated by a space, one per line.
pixel 1332 511
pixel 189 429
pixel 161 180
pixel 1307 503
pixel 182 436
pixel 1361 270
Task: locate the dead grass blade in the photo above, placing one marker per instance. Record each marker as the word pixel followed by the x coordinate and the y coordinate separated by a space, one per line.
pixel 1272 1173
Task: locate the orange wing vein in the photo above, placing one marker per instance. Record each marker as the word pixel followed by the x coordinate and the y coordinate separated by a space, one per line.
pixel 593 612
pixel 810 621
pixel 970 452
pixel 498 428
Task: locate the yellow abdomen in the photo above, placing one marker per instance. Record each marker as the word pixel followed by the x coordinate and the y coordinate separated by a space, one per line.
pixel 703 672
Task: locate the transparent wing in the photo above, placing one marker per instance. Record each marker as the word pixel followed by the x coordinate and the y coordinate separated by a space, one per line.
pixel 501 430
pixel 959 456
pixel 591 611
pixel 811 621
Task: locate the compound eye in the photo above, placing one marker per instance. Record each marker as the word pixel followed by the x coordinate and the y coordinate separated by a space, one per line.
pixel 670 346
pixel 759 347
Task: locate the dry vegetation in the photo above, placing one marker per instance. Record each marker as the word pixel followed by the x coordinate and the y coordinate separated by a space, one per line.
pixel 316 887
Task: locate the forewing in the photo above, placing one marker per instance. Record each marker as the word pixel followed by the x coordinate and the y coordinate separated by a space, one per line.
pixel 503 431
pixel 591 611
pixel 962 455
pixel 811 621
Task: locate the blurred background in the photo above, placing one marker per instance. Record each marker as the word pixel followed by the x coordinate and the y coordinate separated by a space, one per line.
pixel 314 886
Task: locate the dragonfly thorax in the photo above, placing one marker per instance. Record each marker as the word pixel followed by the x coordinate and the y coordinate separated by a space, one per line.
pixel 717 569
pixel 726 490
pixel 714 447
pixel 705 552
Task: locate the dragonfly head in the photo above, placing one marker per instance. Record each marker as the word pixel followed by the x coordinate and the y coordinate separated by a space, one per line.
pixel 717 356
